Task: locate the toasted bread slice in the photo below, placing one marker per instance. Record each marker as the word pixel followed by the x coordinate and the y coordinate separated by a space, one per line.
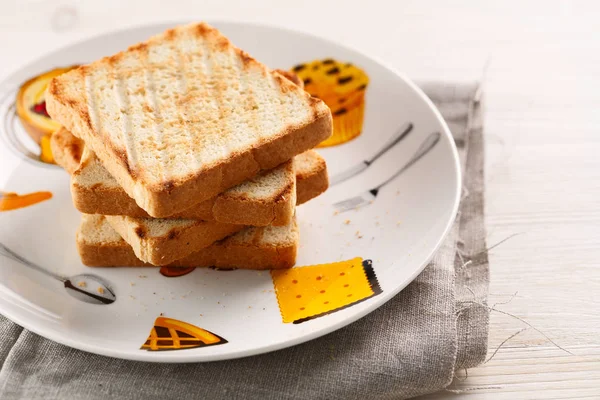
pixel 66 149
pixel 292 77
pixel 186 115
pixel 267 199
pixel 161 241
pixel 96 191
pixel 312 178
pixel 253 248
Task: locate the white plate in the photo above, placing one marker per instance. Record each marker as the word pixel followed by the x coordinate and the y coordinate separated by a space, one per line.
pixel 399 231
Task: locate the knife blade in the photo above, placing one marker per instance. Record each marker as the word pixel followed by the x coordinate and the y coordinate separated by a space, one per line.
pixel 347 174
pixel 400 134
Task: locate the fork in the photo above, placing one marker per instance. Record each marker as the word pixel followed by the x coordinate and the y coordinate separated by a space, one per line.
pixel 370 195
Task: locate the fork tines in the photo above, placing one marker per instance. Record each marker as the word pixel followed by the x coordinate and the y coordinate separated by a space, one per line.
pixel 350 204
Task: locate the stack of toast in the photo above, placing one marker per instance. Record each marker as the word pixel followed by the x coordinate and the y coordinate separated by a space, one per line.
pixel 185 151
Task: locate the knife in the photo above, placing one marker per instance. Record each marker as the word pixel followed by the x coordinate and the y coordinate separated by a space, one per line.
pixel 357 169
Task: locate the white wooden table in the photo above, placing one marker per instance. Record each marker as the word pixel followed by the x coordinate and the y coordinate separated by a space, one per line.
pixel 542 143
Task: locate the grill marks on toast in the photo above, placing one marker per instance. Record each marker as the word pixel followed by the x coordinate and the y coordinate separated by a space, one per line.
pixel 92 108
pixel 120 87
pixel 152 104
pixel 185 86
pixel 203 105
pixel 163 67
pixel 249 104
pixel 216 84
pixel 232 102
pixel 266 95
pixel 220 81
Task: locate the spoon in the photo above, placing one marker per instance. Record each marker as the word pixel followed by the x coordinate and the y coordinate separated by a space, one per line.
pixel 85 287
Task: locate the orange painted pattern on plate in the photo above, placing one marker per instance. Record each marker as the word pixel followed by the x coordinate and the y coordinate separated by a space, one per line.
pixel 13 201
pixel 342 87
pixel 171 334
pixel 31 110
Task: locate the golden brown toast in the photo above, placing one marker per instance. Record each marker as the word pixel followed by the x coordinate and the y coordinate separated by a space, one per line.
pixel 66 149
pixel 186 115
pixel 95 191
pixel 266 199
pixel 160 241
pixel 253 248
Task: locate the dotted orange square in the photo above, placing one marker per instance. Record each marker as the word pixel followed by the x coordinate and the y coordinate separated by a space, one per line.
pixel 307 292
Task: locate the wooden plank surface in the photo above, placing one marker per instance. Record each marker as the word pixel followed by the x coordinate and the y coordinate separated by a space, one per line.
pixel 542 143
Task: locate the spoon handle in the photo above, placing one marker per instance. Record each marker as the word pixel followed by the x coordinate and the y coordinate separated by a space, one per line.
pixel 6 252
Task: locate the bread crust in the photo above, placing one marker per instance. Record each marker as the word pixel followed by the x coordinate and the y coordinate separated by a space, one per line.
pixel 278 210
pixel 311 182
pixel 226 253
pixel 182 239
pixel 238 257
pixel 66 150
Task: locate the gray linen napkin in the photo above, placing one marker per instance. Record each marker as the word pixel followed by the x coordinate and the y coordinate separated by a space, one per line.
pixel 410 346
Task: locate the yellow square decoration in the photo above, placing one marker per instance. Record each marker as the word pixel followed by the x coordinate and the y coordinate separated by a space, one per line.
pixel 304 293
